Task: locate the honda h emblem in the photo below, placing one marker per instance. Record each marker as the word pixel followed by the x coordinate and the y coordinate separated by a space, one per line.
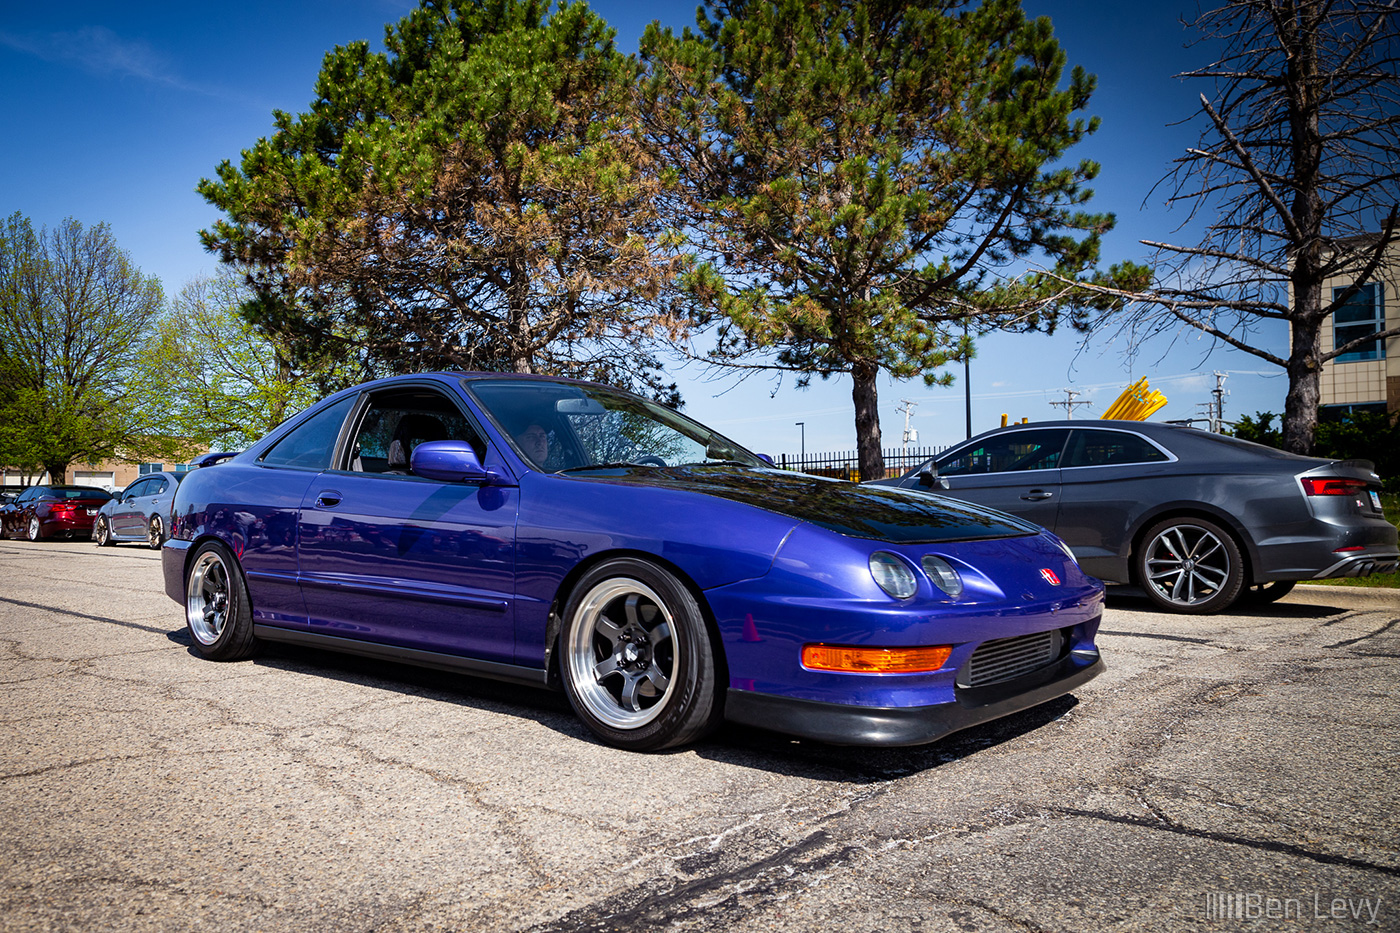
pixel 1050 577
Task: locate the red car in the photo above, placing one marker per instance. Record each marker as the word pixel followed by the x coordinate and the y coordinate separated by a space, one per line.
pixel 46 511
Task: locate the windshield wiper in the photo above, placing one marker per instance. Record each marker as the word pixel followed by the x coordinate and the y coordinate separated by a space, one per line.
pixel 737 463
pixel 611 465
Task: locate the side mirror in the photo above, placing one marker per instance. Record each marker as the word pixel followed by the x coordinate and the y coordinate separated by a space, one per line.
pixel 931 480
pixel 449 462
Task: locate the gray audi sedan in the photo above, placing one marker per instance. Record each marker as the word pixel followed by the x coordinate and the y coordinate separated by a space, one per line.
pixel 1196 519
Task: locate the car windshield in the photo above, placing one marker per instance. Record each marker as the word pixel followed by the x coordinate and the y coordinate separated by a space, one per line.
pixel 575 428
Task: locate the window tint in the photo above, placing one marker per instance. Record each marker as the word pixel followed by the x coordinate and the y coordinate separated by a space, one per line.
pixel 1007 453
pixel 1109 448
pixel 139 488
pixel 311 443
pixel 396 423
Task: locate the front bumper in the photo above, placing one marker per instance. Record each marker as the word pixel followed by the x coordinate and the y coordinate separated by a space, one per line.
pixel 843 724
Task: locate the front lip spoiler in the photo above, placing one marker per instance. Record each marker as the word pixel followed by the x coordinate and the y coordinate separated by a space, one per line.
pixel 842 724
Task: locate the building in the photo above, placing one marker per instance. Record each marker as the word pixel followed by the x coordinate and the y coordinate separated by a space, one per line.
pixel 1367 379
pixel 109 474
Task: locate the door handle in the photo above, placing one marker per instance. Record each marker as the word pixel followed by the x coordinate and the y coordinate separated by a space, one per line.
pixel 1036 495
pixel 328 499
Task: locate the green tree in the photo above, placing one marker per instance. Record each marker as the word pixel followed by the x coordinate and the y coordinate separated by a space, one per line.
pixel 867 176
pixel 472 198
pixel 74 315
pixel 224 382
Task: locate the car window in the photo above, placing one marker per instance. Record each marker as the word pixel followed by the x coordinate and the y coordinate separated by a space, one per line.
pixel 1015 451
pixel 137 488
pixel 311 444
pixel 157 487
pixel 395 423
pixel 1109 448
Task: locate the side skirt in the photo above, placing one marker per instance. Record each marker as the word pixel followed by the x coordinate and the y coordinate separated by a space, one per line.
pixel 495 670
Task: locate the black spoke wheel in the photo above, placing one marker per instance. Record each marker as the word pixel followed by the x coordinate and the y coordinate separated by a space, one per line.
pixel 218 613
pixel 636 658
pixel 1190 565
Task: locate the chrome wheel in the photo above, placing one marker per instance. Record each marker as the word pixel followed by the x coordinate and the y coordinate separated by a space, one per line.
pixel 33 529
pixel 155 535
pixel 623 653
pixel 207 598
pixel 1190 565
pixel 103 533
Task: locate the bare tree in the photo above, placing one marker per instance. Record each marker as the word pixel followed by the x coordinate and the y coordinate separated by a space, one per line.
pixel 1297 175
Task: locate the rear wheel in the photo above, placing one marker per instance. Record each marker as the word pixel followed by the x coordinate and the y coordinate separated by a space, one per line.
pixel 33 531
pixel 102 532
pixel 1190 565
pixel 218 612
pixel 155 534
pixel 637 661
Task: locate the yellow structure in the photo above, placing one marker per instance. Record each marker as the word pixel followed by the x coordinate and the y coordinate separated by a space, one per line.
pixel 1137 403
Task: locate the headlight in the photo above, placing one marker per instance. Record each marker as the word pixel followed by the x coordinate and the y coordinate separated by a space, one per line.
pixel 893 575
pixel 943 575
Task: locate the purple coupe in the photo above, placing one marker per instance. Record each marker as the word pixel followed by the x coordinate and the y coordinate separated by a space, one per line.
pixel 570 535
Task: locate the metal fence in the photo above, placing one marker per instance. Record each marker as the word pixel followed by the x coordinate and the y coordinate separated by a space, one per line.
pixel 846 464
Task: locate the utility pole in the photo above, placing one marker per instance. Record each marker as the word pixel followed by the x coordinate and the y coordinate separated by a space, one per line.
pixel 1217 415
pixel 1069 403
pixel 909 435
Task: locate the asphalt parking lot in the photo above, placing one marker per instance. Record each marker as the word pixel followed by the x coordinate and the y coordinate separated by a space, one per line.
pixel 1227 772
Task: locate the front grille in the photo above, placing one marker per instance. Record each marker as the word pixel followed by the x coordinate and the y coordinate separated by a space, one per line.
pixel 1005 659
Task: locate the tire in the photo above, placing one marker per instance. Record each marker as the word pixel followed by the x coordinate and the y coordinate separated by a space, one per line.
pixel 218 613
pixel 1261 594
pixel 102 532
pixel 1190 565
pixel 636 658
pixel 33 531
pixel 155 533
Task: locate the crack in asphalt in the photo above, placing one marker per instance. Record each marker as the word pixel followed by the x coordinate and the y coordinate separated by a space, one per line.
pixel 713 896
pixel 1380 631
pixel 1263 845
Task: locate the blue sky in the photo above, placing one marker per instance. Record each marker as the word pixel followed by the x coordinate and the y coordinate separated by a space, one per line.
pixel 115 111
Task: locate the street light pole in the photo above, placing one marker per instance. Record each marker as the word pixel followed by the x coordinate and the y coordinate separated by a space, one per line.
pixel 967 379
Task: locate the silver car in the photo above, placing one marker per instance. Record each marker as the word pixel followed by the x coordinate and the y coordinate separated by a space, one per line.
pixel 1196 519
pixel 139 512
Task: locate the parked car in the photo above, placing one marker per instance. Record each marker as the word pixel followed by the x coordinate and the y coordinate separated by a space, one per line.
pixel 571 535
pixel 46 511
pixel 139 512
pixel 1196 519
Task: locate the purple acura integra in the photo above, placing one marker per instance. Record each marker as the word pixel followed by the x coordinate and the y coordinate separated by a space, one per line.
pixel 573 536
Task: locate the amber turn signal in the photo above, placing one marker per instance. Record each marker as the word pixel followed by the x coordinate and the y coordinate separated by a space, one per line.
pixel 875 660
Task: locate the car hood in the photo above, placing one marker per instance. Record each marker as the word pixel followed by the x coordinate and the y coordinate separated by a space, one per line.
pixel 880 513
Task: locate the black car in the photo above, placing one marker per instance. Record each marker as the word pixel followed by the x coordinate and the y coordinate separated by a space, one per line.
pixel 1196 519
